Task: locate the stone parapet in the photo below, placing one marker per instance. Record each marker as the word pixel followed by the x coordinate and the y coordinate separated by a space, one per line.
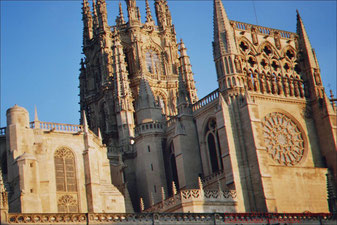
pixel 172 218
pixel 185 199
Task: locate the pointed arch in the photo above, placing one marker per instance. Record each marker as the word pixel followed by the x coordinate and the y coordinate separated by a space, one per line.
pixel 249 44
pixel 270 45
pixel 66 180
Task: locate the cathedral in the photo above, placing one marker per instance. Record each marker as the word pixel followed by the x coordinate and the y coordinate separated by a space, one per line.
pixel 264 141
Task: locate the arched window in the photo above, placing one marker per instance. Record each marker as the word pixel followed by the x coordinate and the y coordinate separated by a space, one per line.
pixel 172 172
pixel 213 146
pixel 152 62
pixel 66 184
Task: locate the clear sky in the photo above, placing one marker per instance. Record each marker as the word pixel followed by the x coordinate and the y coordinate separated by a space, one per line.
pixel 41 46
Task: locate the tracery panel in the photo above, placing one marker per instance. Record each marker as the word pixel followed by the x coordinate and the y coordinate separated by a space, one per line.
pixel 283 139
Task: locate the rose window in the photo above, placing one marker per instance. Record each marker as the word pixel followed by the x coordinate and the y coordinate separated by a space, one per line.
pixel 283 139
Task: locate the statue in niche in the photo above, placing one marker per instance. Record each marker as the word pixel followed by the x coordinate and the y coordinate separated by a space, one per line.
pixel 277 40
pixel 256 82
pixel 317 77
pixel 237 63
pixel 254 36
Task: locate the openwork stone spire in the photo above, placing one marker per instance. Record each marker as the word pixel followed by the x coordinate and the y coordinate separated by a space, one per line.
pixel 120 18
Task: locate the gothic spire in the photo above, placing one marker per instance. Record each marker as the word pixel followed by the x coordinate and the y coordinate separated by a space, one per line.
pixel 87 22
pixel 304 41
pixel 163 14
pixel 222 28
pixel 145 95
pixel 95 17
pixel 122 86
pixel 183 97
pixel 186 73
pixel 133 12
pixel 102 16
pixel 120 19
pixel 148 12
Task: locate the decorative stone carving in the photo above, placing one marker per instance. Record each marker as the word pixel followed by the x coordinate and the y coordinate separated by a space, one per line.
pixel 64 153
pixel 67 203
pixel 283 139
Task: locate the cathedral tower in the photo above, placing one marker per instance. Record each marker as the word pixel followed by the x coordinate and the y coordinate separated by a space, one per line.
pixel 270 84
pixel 121 60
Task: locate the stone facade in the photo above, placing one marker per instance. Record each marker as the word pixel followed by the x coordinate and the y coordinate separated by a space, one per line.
pixel 263 141
pixel 56 168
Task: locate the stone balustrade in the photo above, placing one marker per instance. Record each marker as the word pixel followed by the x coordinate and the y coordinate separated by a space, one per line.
pixel 61 127
pixel 171 218
pixel 147 127
pixel 213 177
pixel 190 195
pixel 263 30
pixel 206 100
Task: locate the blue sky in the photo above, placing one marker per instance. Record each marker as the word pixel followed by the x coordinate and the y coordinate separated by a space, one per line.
pixel 41 46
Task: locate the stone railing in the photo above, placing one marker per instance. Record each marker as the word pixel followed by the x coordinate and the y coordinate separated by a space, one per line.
pixel 2 131
pixel 213 177
pixel 170 218
pixel 71 128
pixel 263 30
pixel 206 100
pixel 190 195
pixel 151 126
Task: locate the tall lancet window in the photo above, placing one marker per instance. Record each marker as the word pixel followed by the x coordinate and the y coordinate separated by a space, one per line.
pixel 152 62
pixel 213 146
pixel 171 172
pixel 66 184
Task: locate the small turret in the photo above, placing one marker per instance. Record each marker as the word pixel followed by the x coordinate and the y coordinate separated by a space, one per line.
pixel 17 115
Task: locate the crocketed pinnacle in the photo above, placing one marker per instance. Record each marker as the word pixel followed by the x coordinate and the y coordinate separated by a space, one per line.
pixel 304 40
pixel 222 27
pixel 121 15
pixel 148 12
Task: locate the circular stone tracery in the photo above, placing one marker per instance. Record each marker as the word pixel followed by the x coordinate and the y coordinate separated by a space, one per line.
pixel 283 139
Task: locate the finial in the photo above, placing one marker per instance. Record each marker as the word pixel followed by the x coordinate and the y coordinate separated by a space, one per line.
pixel 85 122
pixel 331 94
pixel 121 15
pixel 99 134
pixel 162 194
pixel 174 188
pixel 35 114
pixel 148 12
pixel 200 184
pixel 141 204
pixel 219 186
pixel 152 199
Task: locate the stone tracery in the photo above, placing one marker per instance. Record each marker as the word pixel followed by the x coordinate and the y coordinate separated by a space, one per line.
pixel 283 139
